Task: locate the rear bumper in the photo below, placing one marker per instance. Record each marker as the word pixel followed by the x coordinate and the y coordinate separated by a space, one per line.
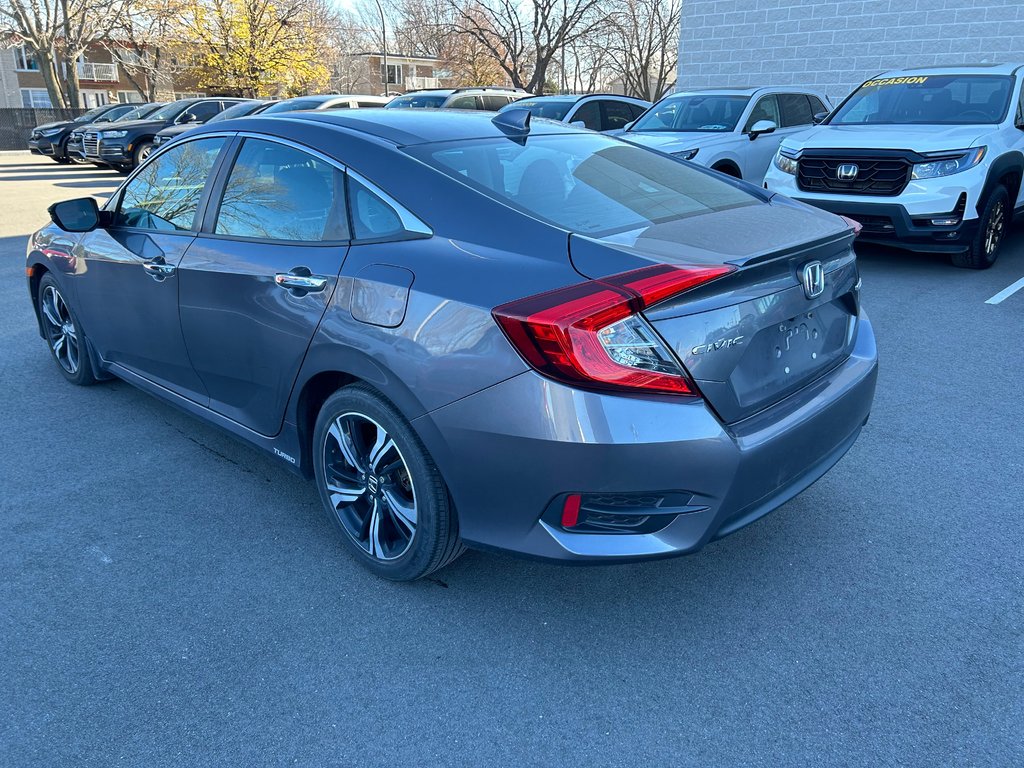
pixel 511 452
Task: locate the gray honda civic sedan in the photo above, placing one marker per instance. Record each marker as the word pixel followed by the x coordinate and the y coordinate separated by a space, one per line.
pixel 472 330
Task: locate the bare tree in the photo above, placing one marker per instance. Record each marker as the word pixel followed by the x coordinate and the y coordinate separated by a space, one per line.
pixel 140 40
pixel 526 37
pixel 58 32
pixel 643 46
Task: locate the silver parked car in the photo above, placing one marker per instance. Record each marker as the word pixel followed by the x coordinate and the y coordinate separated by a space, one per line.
pixel 736 131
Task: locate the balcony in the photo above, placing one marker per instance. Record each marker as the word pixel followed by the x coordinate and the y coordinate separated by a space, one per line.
pixel 99 73
pixel 415 83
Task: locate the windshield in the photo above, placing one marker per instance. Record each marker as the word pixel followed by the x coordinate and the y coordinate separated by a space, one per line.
pixel 549 108
pixel 139 112
pixel 169 110
pixel 693 112
pixel 584 183
pixel 92 114
pixel 927 100
pixel 239 110
pixel 417 100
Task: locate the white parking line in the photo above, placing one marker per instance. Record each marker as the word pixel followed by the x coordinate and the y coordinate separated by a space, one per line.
pixel 1006 292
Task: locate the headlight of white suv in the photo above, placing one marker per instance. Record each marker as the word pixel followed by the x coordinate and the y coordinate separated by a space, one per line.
pixel 949 165
pixel 786 164
pixel 687 154
pixel 114 134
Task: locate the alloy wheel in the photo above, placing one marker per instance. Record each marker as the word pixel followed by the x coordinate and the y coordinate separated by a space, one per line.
pixel 369 486
pixel 994 228
pixel 60 329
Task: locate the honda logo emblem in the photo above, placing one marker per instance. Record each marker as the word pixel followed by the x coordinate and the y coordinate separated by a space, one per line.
pixel 847 172
pixel 813 277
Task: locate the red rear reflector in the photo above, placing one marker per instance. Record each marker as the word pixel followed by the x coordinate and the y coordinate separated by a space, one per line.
pixel 571 510
pixel 855 225
pixel 558 332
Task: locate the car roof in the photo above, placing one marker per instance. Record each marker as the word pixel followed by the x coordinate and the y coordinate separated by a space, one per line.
pixel 954 69
pixel 748 90
pixel 405 127
pixel 580 96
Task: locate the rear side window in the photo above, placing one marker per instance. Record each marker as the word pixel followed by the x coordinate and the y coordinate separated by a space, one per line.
pixel 164 196
pixel 277 192
pixel 493 102
pixel 463 102
pixel 796 109
pixel 372 217
pixel 616 115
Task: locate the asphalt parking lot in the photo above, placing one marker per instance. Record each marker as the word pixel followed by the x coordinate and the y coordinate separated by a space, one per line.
pixel 169 596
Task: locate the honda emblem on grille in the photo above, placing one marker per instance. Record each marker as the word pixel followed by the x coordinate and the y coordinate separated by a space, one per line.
pixel 813 278
pixel 847 172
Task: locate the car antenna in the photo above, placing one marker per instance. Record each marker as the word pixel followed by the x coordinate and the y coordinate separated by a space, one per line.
pixel 513 121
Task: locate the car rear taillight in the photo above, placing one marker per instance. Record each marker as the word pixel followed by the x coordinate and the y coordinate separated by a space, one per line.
pixel 592 334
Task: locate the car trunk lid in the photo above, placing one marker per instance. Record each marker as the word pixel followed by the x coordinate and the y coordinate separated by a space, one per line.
pixel 756 335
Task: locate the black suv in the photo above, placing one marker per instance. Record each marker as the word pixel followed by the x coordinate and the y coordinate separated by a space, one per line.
pixel 126 145
pixel 51 139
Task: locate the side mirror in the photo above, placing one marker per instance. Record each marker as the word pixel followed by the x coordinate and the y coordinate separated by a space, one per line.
pixel 761 126
pixel 187 117
pixel 578 124
pixel 629 125
pixel 78 215
pixel 819 117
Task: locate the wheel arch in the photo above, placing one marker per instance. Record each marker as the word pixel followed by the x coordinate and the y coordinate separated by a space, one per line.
pixel 728 167
pixel 1008 170
pixel 34 271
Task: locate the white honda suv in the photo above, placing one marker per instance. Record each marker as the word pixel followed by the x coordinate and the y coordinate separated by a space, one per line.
pixel 928 159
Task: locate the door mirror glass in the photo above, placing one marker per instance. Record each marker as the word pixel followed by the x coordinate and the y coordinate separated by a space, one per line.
pixel 187 117
pixel 78 215
pixel 762 126
pixel 819 117
pixel 578 124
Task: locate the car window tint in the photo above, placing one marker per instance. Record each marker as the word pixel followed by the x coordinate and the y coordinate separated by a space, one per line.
pixel 636 110
pixel 767 108
pixel 817 105
pixel 796 109
pixel 276 192
pixel 372 217
pixel 164 195
pixel 463 102
pixel 494 102
pixel 368 104
pixel 204 110
pixel 589 114
pixel 616 115
pixel 585 182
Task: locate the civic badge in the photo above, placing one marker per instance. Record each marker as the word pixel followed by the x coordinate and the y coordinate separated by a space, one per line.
pixel 813 277
pixel 847 172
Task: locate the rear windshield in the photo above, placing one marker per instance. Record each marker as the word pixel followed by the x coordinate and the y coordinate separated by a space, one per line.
pixel 417 100
pixel 693 112
pixel 584 183
pixel 553 110
pixel 927 100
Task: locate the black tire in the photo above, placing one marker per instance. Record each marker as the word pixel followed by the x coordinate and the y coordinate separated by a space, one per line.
pixel 380 537
pixel 63 334
pixel 992 225
pixel 728 170
pixel 60 160
pixel 142 151
pixel 60 153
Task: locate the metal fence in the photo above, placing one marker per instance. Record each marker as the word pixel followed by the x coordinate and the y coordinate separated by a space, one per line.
pixel 17 124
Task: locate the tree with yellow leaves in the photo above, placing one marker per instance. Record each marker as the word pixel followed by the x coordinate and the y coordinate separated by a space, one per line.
pixel 259 47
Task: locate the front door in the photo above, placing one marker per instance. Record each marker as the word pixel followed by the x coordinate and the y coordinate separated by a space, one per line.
pixel 128 287
pixel 255 285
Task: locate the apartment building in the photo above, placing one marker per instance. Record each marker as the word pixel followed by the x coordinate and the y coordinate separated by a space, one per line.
pixel 366 73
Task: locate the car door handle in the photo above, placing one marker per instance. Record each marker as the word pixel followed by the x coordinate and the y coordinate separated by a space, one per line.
pixel 305 283
pixel 158 270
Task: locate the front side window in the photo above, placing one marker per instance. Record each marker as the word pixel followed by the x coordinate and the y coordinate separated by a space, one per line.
pixel 767 108
pixel 463 102
pixel 927 100
pixel 417 100
pixel 616 115
pixel 584 183
pixel 590 115
pixel 170 110
pixel 164 196
pixel 277 192
pixel 552 110
pixel 694 112
pixel 203 111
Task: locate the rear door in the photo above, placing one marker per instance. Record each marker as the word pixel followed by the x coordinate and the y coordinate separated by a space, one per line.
pixel 260 275
pixel 128 291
